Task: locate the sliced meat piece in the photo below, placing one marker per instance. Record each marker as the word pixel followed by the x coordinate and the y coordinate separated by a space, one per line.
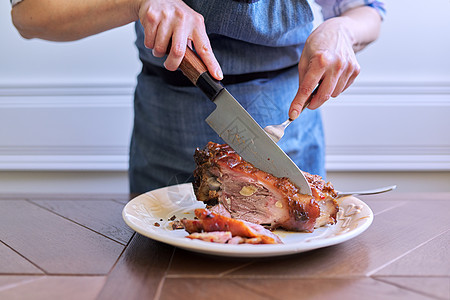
pixel 220 210
pixel 221 237
pixel 212 222
pixel 223 178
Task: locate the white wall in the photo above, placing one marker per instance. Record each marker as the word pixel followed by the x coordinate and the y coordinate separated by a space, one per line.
pixel 66 108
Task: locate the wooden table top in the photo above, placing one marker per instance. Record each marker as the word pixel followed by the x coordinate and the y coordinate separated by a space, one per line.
pixel 78 247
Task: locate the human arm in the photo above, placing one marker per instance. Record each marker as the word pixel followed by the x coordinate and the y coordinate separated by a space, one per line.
pixel 163 21
pixel 329 58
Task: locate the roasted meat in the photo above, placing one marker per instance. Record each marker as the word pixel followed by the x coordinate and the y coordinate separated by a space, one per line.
pixel 216 228
pixel 325 195
pixel 221 237
pixel 233 187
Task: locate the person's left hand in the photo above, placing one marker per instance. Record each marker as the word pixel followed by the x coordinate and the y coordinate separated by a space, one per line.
pixel 328 58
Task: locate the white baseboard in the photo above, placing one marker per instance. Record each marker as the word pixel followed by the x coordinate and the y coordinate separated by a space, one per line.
pixel 389 127
pixel 58 162
pixel 65 127
pixel 345 163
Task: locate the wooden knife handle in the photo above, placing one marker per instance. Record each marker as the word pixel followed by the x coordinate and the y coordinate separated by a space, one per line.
pixel 195 70
pixel 192 66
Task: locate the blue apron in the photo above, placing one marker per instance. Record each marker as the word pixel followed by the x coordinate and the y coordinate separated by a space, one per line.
pixel 246 37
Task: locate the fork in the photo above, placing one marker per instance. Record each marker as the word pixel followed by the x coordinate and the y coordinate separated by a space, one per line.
pixel 367 192
pixel 276 132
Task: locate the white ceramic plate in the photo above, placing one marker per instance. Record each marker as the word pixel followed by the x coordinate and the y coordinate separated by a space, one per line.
pixel 158 206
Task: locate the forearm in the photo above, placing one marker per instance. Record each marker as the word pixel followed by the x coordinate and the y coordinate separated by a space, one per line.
pixel 69 20
pixel 363 25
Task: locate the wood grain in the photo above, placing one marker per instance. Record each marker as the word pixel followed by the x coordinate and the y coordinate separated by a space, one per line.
pixel 58 196
pixel 12 281
pixel 207 288
pixel 140 270
pixel 53 243
pixel 380 206
pixel 124 199
pixel 431 258
pixel 13 263
pixel 403 255
pixel 54 287
pixel 102 216
pixel 284 288
pixel 190 264
pixel 436 287
pixel 192 66
pixel 400 196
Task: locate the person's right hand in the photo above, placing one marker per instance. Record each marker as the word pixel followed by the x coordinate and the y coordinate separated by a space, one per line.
pixel 173 21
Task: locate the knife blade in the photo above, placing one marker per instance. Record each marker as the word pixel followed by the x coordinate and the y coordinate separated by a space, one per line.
pixel 238 128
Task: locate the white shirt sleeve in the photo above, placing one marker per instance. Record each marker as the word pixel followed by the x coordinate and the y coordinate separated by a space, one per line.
pixel 333 8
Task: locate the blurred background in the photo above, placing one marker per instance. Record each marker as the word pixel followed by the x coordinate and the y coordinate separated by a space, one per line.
pixel 66 109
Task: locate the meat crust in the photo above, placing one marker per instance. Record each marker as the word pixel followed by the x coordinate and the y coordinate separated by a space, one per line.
pixel 223 178
pixel 213 227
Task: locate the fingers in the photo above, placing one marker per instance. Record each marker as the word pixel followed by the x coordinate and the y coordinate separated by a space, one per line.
pixel 310 74
pixel 306 88
pixel 332 74
pixel 177 50
pixel 162 39
pixel 347 77
pixel 150 22
pixel 352 78
pixel 333 71
pixel 204 50
pixel 175 23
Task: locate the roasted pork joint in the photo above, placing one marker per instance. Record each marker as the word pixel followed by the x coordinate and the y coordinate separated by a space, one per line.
pixel 212 227
pixel 231 186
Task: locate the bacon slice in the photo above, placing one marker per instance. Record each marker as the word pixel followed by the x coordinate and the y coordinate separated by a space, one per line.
pixel 221 237
pixel 211 223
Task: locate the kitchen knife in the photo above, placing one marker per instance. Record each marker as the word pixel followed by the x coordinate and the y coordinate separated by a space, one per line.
pixel 238 129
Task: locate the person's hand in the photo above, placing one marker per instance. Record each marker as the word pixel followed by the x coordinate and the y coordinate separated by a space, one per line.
pixel 328 58
pixel 173 21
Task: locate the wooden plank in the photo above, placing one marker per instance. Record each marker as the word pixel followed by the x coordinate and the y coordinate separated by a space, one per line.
pixel 11 281
pixel 381 206
pixel 124 199
pixel 53 287
pixel 12 197
pixel 13 263
pixel 283 288
pixel 186 263
pixel 438 287
pixel 401 196
pixel 59 196
pixel 392 234
pixel 56 245
pixel 208 288
pixel 102 216
pixel 430 259
pixel 139 271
